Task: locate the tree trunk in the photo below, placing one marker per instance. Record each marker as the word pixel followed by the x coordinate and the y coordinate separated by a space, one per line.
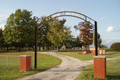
pixel 25 47
pixel 16 48
pixel 47 47
pixel 19 48
pixel 58 48
pixel 53 47
pixel 7 48
pixel 43 47
pixel 11 48
pixel 29 48
pixel 39 46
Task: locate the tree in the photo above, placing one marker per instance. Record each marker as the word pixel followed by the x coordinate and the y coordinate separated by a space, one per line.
pixel 75 42
pixel 67 36
pixel 1 38
pixel 42 33
pixel 56 32
pixel 99 40
pixel 103 46
pixel 78 42
pixel 20 28
pixel 86 33
pixel 115 46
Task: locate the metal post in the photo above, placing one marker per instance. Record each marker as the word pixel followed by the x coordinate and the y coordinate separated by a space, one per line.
pixel 96 49
pixel 35 47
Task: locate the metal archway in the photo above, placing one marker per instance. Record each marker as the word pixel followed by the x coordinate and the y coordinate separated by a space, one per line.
pixel 60 14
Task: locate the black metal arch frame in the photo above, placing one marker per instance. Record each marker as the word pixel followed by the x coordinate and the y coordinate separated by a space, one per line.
pixel 60 14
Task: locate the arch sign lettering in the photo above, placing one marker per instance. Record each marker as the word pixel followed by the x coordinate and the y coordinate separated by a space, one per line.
pixel 61 14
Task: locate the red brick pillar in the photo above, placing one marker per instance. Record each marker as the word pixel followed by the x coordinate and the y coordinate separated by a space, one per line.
pixel 100 67
pixel 104 52
pixel 25 63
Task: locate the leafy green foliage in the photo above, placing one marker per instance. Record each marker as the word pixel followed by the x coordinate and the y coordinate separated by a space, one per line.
pixel 115 46
pixel 55 34
pixel 75 42
pixel 99 40
pixel 1 38
pixel 20 28
pixel 68 37
pixel 59 34
pixel 42 33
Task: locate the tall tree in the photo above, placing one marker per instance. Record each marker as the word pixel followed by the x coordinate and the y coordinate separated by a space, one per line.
pixel 42 33
pixel 20 28
pixel 86 33
pixel 56 32
pixel 78 42
pixel 68 37
pixel 1 38
pixel 99 40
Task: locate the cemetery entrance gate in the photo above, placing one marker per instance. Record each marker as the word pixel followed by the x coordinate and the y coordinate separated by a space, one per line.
pixel 60 14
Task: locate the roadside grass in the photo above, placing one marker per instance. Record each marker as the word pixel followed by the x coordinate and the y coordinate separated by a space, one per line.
pixel 44 62
pixel 44 50
pixel 113 71
pixel 87 56
pixel 80 50
pixel 70 50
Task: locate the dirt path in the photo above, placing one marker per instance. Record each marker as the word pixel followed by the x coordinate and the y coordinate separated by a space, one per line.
pixel 69 69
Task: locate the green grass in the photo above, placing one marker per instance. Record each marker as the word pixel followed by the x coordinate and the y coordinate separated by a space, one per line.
pixel 70 50
pixel 44 50
pixel 113 71
pixel 44 62
pixel 87 56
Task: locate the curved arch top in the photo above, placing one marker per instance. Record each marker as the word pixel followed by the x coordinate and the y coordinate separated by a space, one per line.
pixel 66 13
pixel 71 13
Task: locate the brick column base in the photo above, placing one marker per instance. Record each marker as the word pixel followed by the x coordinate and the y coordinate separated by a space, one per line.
pixel 25 63
pixel 100 67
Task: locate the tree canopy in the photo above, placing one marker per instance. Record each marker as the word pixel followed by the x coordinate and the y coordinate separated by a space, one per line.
pixel 1 38
pixel 58 34
pixel 20 28
pixel 99 40
pixel 86 32
pixel 115 46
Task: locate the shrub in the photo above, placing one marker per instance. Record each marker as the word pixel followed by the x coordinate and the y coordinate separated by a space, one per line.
pixel 115 46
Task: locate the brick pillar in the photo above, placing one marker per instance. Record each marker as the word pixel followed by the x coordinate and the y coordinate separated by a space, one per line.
pixel 25 63
pixel 100 67
pixel 104 52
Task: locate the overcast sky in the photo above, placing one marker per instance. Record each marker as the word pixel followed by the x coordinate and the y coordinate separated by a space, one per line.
pixel 105 12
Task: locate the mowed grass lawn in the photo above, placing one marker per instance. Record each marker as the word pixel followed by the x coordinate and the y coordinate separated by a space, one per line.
pixel 87 56
pixel 44 62
pixel 113 71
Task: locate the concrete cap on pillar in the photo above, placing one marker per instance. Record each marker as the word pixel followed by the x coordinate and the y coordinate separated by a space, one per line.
pixel 25 55
pixel 99 57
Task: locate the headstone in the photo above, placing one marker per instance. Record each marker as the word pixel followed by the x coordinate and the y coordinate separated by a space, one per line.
pixel 63 47
pixel 84 52
pixel 92 48
pixel 41 49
